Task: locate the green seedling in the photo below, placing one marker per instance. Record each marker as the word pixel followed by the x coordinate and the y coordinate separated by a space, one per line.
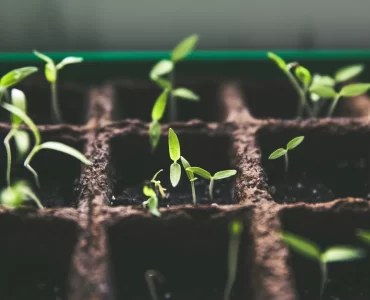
pixel 312 251
pixel 217 176
pixel 12 78
pixel 364 235
pixel 152 202
pixel 51 74
pixel 21 137
pixel 38 146
pixel 174 149
pixel 281 151
pixel 157 114
pixel 191 177
pixel 14 196
pixel 167 67
pixel 158 186
pixel 235 231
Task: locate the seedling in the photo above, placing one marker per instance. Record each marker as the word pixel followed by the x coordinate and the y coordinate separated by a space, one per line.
pixel 364 235
pixel 157 114
pixel 191 177
pixel 174 149
pixel 281 151
pixel 217 176
pixel 167 67
pixel 15 195
pixel 310 250
pixel 235 231
pixel 51 74
pixel 38 146
pixel 158 186
pixel 152 202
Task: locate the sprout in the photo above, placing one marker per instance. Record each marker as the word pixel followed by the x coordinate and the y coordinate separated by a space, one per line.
pixel 152 202
pixel 217 176
pixel 38 145
pixel 15 195
pixel 157 185
pixel 312 251
pixel 235 231
pixel 280 152
pixel 191 177
pixel 157 114
pixel 167 67
pixel 174 149
pixel 51 74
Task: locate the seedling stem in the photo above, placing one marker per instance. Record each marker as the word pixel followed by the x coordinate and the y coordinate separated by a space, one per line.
pixel 173 100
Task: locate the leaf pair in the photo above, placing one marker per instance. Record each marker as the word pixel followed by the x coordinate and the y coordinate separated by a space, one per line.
pixel 15 195
pixel 291 145
pixel 152 202
pixel 175 154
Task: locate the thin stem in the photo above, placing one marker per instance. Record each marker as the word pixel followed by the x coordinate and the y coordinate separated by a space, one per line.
pixel 8 154
pixel 232 264
pixel 27 165
pixel 35 198
pixel 211 188
pixel 286 163
pixel 173 100
pixel 6 95
pixel 324 275
pixel 333 105
pixel 55 110
pixel 193 193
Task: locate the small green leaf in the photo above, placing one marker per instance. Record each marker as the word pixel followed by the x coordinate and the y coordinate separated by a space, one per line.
pixel 44 57
pixel 294 142
pixel 236 227
pixel 154 134
pixel 319 80
pixel 22 142
pixel 65 149
pixel 69 60
pixel 364 235
pixel 184 48
pixel 161 68
pixel 224 174
pixel 186 165
pixel 173 145
pixel 323 91
pixel 149 192
pixel 159 106
pixel 201 172
pixel 11 197
pixel 277 153
pixel 163 83
pixel 51 72
pixel 342 253
pixel 314 97
pixel 303 75
pixel 348 73
pixel 303 246
pixel 355 89
pixel 186 94
pixel 13 77
pixel 152 204
pixel 175 174
pixel 278 60
pixel 18 100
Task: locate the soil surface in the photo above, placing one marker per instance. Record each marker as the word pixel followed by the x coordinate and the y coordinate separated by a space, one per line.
pixel 223 193
pixel 43 290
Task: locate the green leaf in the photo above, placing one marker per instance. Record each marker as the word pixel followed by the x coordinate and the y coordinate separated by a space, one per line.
pixel 159 106
pixel 364 235
pixel 201 172
pixel 224 174
pixel 173 145
pixel 303 75
pixel 22 142
pixel 348 73
pixel 161 68
pixel 154 134
pixel 184 48
pixel 175 174
pixel 277 153
pixel 152 204
pixel 44 57
pixel 11 197
pixel 149 192
pixel 163 83
pixel 69 60
pixel 236 227
pixel 18 100
pixel 278 60
pixel 294 142
pixel 342 253
pixel 319 80
pixel 13 77
pixel 323 91
pixel 301 245
pixel 51 72
pixel 355 89
pixel 65 149
pixel 186 165
pixel 185 93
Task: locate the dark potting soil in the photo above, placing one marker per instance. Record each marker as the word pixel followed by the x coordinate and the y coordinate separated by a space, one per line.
pixel 223 193
pixel 42 290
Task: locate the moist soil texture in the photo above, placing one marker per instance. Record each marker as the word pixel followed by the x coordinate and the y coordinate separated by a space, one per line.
pixel 42 290
pixel 223 193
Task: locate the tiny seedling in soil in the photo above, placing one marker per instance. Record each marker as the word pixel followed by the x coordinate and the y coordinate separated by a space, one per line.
pixel 280 152
pixel 310 250
pixel 38 146
pixel 174 149
pixel 15 195
pixel 51 74
pixel 152 202
pixel 235 231
pixel 158 186
pixel 191 177
pixel 217 176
